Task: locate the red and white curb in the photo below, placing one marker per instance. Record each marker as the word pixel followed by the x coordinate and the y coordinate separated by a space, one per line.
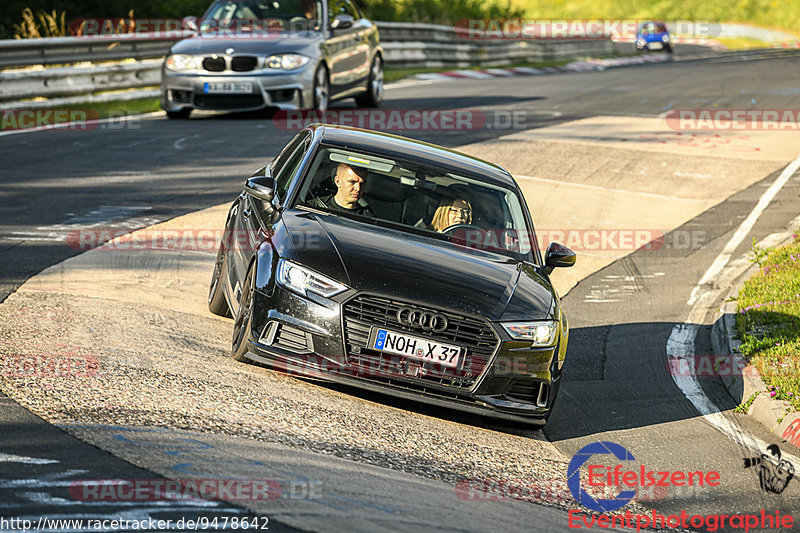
pixel 575 66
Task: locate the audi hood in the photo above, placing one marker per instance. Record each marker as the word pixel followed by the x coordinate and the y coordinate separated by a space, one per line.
pixel 370 258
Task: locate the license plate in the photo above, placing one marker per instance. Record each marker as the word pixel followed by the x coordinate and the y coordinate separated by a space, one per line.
pixel 417 348
pixel 228 87
pixel 655 46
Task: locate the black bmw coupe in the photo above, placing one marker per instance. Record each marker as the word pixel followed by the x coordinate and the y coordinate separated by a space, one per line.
pixel 396 266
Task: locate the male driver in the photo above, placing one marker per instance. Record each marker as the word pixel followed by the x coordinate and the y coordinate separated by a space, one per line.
pixel 350 187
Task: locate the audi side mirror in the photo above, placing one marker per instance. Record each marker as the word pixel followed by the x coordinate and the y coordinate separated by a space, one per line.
pixel 558 255
pixel 261 187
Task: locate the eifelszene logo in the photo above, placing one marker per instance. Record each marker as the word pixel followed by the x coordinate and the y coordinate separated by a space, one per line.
pixel 574 476
pixel 607 479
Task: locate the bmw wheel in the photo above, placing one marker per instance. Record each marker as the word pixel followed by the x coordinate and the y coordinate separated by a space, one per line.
pixel 321 89
pixel 374 95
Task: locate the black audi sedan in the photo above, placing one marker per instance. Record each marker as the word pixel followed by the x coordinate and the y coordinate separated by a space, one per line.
pixel 397 266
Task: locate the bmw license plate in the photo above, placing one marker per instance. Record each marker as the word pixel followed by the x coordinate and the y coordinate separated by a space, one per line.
pixel 655 46
pixel 416 348
pixel 228 87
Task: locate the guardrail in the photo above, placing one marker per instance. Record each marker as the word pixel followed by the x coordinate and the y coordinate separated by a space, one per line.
pixel 406 45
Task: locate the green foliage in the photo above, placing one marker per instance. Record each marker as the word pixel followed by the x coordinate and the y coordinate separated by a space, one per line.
pixel 745 405
pixel 44 24
pixel 447 12
pixel 759 254
pixel 768 321
pixel 11 10
pixel 778 14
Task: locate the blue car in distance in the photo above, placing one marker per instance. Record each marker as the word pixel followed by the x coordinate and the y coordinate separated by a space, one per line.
pixel 653 36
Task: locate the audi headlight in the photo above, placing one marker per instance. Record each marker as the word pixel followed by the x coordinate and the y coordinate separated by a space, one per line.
pixel 541 333
pixel 286 61
pixel 182 62
pixel 302 280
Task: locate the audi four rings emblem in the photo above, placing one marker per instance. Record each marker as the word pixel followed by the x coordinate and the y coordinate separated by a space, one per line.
pixel 426 320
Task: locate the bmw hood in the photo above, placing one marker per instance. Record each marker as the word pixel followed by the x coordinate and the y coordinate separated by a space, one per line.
pixel 406 266
pixel 301 43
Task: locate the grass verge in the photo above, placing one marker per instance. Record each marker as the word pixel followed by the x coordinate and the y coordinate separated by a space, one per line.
pixel 768 320
pixel 743 43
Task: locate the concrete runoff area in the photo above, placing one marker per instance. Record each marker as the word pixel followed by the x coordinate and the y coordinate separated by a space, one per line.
pixel 158 359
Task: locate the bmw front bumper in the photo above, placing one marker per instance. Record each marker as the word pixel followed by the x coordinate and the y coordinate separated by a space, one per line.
pixel 282 90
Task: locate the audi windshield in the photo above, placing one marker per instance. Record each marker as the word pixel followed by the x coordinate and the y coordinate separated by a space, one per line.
pixel 436 203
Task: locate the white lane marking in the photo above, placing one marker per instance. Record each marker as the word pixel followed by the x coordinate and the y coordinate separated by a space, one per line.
pixel 44 497
pixel 615 287
pixel 178 144
pixel 63 125
pixel 420 81
pixel 106 217
pixel 472 74
pixel 744 228
pixel 46 481
pixel 11 458
pixel 681 343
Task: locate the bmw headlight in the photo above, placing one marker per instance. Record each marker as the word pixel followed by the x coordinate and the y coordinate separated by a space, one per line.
pixel 182 62
pixel 665 38
pixel 286 61
pixel 541 333
pixel 302 280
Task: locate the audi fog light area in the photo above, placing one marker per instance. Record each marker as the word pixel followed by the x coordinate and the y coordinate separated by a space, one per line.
pixel 375 286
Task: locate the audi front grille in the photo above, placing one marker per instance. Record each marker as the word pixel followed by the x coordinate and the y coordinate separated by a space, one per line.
pixel 363 312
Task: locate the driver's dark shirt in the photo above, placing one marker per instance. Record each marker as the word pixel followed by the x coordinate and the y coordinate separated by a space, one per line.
pixel 361 208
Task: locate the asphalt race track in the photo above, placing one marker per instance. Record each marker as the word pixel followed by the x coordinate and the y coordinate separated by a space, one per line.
pixel 591 151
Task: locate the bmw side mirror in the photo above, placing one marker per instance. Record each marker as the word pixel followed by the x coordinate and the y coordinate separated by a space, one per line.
pixel 341 22
pixel 558 255
pixel 261 187
pixel 190 24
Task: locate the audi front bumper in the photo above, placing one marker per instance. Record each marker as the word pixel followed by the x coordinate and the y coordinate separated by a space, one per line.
pixel 319 337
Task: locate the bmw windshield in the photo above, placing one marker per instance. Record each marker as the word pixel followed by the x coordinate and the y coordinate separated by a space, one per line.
pixel 256 16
